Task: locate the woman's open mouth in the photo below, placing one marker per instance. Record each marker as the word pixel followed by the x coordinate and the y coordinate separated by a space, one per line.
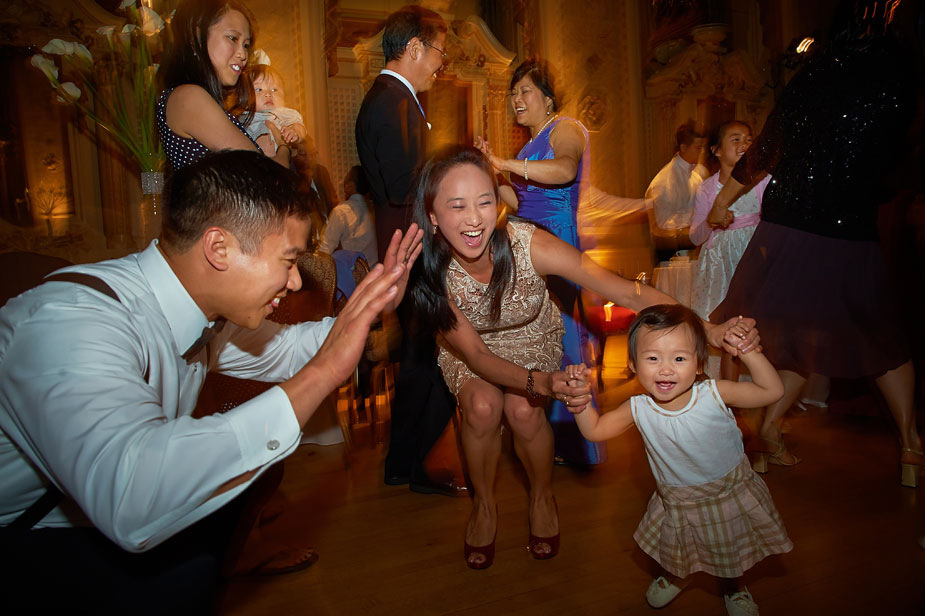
pixel 473 239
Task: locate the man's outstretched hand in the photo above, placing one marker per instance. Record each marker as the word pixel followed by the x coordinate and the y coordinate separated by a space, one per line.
pixel 341 350
pixel 403 250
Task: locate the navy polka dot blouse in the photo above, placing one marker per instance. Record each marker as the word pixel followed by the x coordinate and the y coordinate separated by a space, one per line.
pixel 182 151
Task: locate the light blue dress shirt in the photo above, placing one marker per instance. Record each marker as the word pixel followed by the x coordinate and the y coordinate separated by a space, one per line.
pixel 94 394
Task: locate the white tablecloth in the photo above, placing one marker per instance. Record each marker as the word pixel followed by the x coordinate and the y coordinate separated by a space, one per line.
pixel 675 280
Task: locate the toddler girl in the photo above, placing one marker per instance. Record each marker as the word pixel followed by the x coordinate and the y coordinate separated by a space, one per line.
pixel 271 107
pixel 710 512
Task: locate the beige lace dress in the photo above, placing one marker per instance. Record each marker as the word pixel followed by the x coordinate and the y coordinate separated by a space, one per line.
pixel 529 332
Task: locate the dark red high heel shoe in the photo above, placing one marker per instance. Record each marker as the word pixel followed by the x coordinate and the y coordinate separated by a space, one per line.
pixel 552 542
pixel 488 551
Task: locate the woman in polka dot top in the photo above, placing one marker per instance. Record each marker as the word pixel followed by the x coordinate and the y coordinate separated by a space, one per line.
pixel 203 68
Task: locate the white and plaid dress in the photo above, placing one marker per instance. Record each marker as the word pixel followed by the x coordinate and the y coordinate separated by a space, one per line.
pixel 710 511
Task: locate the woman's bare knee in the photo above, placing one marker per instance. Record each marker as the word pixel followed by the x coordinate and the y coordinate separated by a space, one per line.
pixel 525 420
pixel 481 407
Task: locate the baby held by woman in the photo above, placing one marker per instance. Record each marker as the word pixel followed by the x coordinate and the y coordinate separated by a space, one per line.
pixel 270 106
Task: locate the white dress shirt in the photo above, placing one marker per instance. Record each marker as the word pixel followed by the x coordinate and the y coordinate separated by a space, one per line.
pixel 95 395
pixel 351 225
pixel 671 193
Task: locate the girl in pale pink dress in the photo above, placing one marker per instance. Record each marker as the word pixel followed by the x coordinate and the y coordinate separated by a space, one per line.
pixel 722 246
pixel 725 241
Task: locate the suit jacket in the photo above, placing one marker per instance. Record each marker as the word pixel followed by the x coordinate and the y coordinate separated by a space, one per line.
pixel 390 142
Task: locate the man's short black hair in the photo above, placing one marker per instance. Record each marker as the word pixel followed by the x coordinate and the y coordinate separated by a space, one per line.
pixel 242 191
pixel 687 133
pixel 358 177
pixel 405 24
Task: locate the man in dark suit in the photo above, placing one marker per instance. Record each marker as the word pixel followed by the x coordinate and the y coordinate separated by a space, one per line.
pixel 390 131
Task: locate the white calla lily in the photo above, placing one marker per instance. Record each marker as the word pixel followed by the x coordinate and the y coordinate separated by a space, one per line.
pixel 46 66
pixel 59 47
pixel 126 35
pixel 82 52
pixel 127 114
pixel 107 32
pixel 68 48
pixel 71 90
pixel 151 22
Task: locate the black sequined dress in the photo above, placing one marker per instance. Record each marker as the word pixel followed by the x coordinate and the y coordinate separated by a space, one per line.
pixel 813 274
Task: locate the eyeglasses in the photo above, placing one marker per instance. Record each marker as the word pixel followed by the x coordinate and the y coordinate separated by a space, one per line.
pixel 442 52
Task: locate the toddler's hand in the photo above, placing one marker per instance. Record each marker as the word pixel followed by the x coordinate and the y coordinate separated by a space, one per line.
pixel 741 336
pixel 570 387
pixel 578 375
pixel 577 372
pixel 290 136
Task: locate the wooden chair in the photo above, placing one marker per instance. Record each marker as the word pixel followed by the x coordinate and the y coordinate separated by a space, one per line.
pixel 366 417
pixel 315 300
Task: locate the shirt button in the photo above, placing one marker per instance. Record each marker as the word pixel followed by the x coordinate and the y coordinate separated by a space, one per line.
pixel 273 445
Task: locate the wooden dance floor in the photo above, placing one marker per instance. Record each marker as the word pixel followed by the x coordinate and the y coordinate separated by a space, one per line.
pixel 386 550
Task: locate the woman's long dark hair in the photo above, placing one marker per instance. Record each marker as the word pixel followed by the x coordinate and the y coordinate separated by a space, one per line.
pixel 187 59
pixel 430 294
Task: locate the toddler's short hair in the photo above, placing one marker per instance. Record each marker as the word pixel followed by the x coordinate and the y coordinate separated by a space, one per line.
pixel 669 316
pixel 265 71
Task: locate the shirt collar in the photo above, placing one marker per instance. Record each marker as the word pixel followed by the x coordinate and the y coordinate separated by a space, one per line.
pixel 683 164
pixel 185 318
pixel 407 83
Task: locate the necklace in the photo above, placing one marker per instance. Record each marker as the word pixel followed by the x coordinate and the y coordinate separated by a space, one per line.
pixel 545 124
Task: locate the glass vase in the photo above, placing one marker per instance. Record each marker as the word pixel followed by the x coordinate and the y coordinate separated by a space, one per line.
pixel 150 210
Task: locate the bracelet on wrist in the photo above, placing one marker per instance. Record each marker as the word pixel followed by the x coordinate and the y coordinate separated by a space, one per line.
pixel 530 391
pixel 526 177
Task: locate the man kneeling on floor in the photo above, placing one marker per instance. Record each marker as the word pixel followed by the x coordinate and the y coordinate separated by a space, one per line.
pixel 100 369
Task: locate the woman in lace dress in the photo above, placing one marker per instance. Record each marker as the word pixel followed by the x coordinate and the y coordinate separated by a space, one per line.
pixel 483 290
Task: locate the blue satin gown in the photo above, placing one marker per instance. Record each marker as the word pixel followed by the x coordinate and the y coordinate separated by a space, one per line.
pixel 556 209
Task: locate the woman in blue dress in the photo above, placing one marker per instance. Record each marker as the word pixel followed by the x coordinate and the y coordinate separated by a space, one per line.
pixel 547 177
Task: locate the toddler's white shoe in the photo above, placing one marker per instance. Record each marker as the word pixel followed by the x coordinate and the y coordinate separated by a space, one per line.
pixel 661 592
pixel 740 604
